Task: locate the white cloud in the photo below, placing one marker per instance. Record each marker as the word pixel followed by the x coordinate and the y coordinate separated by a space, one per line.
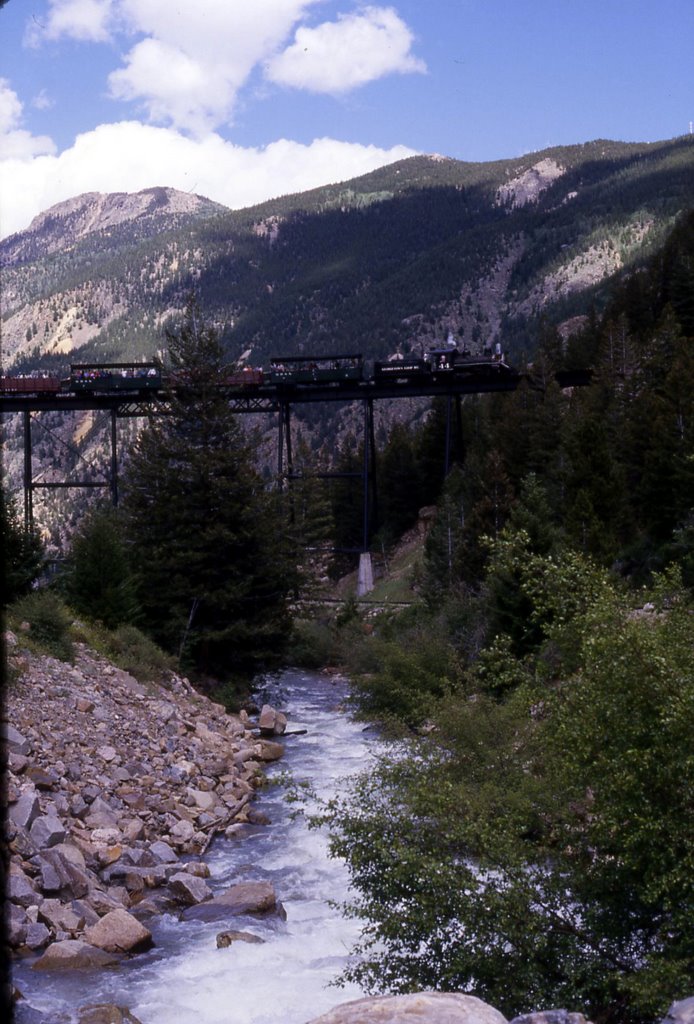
pixel 42 101
pixel 10 107
pixel 195 58
pixel 16 142
pixel 130 156
pixel 173 86
pixel 341 55
pixel 187 62
pixel 86 20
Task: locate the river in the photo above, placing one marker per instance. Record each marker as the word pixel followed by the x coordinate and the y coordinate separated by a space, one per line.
pixel 185 979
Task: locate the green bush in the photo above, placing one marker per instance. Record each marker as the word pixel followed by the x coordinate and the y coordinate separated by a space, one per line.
pixel 537 844
pixel 312 644
pixel 135 653
pixel 49 622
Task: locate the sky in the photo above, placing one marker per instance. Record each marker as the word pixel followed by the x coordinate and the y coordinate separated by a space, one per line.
pixel 244 100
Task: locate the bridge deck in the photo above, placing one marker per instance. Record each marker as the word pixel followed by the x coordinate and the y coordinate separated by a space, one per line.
pixel 271 398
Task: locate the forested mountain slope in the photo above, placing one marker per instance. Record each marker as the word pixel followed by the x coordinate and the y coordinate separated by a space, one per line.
pixel 383 263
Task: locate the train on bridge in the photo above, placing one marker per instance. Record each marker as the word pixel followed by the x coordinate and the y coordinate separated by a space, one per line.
pixel 283 374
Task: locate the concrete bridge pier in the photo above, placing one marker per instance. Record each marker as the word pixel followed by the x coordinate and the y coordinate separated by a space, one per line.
pixel 365 579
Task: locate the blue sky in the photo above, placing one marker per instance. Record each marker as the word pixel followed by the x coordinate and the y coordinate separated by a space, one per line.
pixel 240 100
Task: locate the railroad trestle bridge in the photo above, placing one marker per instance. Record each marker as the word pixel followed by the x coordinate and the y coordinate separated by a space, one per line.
pixel 267 398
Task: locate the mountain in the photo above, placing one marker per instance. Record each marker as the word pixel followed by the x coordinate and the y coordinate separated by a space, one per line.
pixel 387 262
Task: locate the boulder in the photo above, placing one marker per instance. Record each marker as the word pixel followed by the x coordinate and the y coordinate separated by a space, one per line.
pixel 37 935
pixel 16 742
pixel 26 810
pixel 203 800
pixel 187 888
pixel 60 874
pixel 244 898
pixel 198 868
pixel 681 1012
pixel 46 831
pixel 163 853
pixel 110 836
pixel 41 778
pixel 226 938
pixel 418 1008
pixel 182 832
pixel 268 750
pixel 119 932
pixel 73 954
pixel 550 1017
pixel 60 917
pixel 16 924
pixel 21 889
pixel 105 1013
pixel 271 722
pixel 100 815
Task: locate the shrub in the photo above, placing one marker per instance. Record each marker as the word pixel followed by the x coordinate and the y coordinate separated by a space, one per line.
pixel 312 644
pixel 49 622
pixel 135 653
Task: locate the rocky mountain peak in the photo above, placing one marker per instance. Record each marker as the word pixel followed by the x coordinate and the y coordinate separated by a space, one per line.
pixel 90 212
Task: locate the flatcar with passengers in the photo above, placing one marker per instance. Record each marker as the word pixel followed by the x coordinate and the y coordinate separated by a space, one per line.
pixel 108 377
pixel 295 371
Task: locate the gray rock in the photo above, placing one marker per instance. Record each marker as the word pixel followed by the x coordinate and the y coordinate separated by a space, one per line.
pixel 26 810
pixel 60 917
pixel 119 932
pixel 681 1012
pixel 226 938
pixel 244 898
pixel 46 831
pixel 85 910
pixel 37 935
pixel 16 742
pixel 41 778
pixel 270 751
pixel 162 852
pixel 17 923
pixel 60 875
pixel 189 889
pixel 21 889
pixel 271 722
pixel 418 1008
pixel 105 1013
pixel 102 902
pixel 73 954
pixel 100 814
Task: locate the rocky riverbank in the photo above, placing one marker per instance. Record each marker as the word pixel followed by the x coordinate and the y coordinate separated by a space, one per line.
pixel 114 790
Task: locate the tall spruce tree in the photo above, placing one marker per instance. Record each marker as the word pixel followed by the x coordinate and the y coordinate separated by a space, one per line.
pixel 214 571
pixel 98 579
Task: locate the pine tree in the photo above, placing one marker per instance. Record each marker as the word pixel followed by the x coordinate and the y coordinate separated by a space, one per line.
pixel 399 490
pixel 23 555
pixel 214 570
pixel 99 581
